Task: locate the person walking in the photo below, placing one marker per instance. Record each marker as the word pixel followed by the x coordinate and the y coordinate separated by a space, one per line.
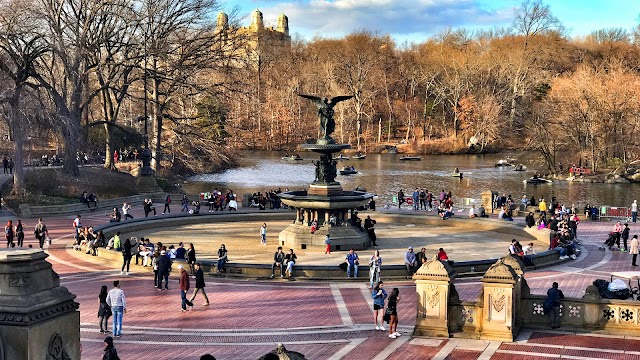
pixel 199 286
pixel 41 233
pixel 154 266
pixel 184 287
pixel 191 258
pixel 125 211
pixel 5 165
pixel 222 258
pixel 392 313
pixel 104 310
pixel 617 232
pixel 327 243
pixel 375 262
pixel 185 203
pixel 167 201
pixel 263 234
pixel 634 250
pixel 126 255
pixel 552 304
pixel 634 211
pixel 164 264
pixel 110 352
pixel 20 234
pixel 9 233
pixel 379 295
pixel 118 303
pixel 400 198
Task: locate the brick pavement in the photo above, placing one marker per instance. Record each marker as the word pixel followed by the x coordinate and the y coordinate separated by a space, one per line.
pixel 247 319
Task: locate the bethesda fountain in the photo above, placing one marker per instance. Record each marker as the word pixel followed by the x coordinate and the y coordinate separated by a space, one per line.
pixel 325 203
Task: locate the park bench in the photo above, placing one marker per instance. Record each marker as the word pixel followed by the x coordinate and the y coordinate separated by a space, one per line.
pixel 107 204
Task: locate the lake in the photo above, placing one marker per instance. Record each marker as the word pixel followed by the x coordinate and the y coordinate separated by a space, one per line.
pixel 384 175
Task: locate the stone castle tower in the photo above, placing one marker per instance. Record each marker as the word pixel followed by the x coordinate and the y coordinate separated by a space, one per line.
pixel 260 40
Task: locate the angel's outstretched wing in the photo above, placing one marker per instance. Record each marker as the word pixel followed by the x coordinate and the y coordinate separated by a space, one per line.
pixel 315 99
pixel 338 99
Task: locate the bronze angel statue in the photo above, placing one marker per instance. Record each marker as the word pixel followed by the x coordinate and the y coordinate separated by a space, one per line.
pixel 325 113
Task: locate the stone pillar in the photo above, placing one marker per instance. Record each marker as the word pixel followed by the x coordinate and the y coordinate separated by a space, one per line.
pixel 500 301
pixel 433 285
pixel 592 309
pixel 38 317
pixel 487 201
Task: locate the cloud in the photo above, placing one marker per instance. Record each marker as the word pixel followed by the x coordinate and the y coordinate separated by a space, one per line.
pixel 400 18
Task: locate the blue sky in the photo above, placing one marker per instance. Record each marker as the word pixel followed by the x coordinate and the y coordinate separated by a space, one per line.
pixel 414 20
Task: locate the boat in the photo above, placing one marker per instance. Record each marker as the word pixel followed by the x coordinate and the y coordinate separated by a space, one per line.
pixel 348 170
pixel 537 180
pixel 359 157
pixel 457 174
pixel 410 158
pixel 292 158
pixel 503 162
pixel 520 167
pixel 341 157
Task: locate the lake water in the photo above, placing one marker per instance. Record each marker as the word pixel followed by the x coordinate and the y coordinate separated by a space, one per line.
pixel 384 174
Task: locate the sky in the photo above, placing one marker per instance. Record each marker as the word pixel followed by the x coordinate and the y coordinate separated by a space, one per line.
pixel 415 20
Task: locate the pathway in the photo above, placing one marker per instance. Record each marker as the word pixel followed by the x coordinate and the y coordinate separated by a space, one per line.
pixel 321 320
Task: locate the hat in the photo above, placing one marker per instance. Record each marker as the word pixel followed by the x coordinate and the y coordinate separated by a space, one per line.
pixel 180 267
pixel 109 340
pixel 163 252
pixel 410 247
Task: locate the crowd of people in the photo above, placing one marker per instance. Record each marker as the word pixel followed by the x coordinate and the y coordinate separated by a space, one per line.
pixel 268 199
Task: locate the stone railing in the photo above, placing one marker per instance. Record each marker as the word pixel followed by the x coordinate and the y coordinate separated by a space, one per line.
pixel 505 305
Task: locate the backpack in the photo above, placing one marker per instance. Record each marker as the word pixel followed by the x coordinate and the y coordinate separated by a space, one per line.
pixel 168 200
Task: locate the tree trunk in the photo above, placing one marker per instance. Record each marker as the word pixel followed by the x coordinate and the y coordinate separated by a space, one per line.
pixel 108 159
pixel 16 122
pixel 157 129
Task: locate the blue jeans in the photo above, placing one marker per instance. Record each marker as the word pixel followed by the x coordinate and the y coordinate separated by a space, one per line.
pixel 349 267
pixel 634 216
pixel 117 311
pixel 185 302
pixel 221 263
pixel 415 203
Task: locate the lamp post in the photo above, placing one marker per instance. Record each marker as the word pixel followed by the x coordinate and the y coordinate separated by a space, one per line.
pixel 145 156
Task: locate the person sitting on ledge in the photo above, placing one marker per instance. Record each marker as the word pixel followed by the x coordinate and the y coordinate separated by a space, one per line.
pixel 84 198
pixel 278 261
pixel 115 216
pixel 290 261
pixel 529 220
pixel 482 212
pixel 442 256
pixel 447 213
pixel 196 207
pixel 472 212
pixel 504 215
pixel 92 198
pixel 222 258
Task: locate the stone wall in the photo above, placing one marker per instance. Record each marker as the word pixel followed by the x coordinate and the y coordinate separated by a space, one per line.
pixel 505 305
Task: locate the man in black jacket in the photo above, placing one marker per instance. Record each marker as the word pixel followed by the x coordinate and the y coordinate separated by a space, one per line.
pixel 199 286
pixel 278 260
pixel 164 263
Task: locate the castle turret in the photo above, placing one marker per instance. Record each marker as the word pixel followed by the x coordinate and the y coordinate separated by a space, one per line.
pixel 283 24
pixel 257 23
pixel 223 22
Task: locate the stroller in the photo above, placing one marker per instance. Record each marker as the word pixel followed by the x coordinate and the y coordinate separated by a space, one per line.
pixel 611 240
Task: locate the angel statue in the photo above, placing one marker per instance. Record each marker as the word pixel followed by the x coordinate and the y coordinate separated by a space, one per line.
pixel 325 113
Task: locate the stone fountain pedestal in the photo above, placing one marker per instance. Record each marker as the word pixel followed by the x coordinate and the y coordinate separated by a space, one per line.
pixel 324 201
pixel 39 319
